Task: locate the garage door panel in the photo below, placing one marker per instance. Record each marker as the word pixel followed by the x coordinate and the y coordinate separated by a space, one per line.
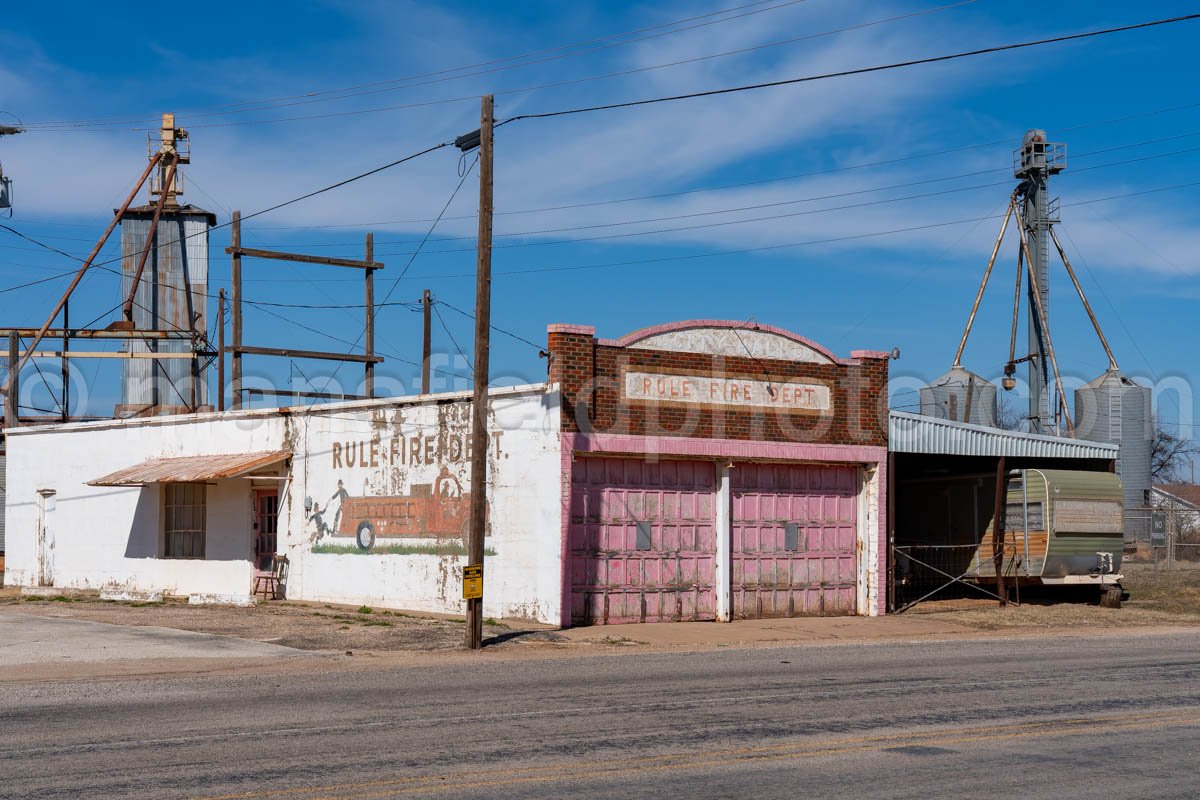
pixel 614 581
pixel 819 575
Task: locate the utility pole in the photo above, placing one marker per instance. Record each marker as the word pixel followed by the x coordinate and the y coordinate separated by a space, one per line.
pixel 483 313
pixel 369 321
pixel 235 235
pixel 426 345
pixel 221 351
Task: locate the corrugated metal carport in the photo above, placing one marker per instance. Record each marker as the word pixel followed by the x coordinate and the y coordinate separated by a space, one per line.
pixel 942 480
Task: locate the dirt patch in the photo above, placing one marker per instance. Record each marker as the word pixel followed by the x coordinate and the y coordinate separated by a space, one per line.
pixel 307 626
pixel 1154 599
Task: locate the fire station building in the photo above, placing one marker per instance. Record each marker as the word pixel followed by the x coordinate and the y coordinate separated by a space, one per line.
pixel 699 470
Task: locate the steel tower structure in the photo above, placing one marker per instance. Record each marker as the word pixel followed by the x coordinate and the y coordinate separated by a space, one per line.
pixel 1033 164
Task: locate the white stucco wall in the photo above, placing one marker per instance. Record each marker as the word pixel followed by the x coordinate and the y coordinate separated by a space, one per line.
pixel 103 537
pixel 371 451
pixel 111 538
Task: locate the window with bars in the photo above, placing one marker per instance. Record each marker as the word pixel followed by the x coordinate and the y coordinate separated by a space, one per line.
pixel 184 521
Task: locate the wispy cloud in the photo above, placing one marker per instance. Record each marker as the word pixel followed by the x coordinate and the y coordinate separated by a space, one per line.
pixel 574 160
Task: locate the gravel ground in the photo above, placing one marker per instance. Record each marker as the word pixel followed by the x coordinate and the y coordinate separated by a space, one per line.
pixel 1155 599
pixel 307 626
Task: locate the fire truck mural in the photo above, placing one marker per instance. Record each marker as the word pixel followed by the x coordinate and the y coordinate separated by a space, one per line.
pixel 396 488
pixel 429 511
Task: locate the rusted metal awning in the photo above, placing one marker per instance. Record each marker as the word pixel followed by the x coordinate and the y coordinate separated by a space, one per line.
pixel 191 469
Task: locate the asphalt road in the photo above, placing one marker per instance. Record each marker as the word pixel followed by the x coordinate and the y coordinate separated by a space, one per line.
pixel 1115 717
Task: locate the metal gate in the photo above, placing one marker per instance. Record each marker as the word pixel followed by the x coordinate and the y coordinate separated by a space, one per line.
pixel 642 540
pixel 794 539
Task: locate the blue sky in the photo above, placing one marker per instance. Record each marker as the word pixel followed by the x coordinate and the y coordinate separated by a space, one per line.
pixel 1137 255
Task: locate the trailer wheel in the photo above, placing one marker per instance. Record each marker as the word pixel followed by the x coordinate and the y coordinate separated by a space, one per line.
pixel 365 537
pixel 1110 597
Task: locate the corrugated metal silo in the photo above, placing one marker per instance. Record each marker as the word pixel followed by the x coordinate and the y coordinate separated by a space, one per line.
pixel 1113 408
pixel 172 295
pixel 960 395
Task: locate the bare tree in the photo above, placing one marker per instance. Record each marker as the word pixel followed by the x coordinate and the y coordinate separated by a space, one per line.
pixel 1009 415
pixel 1171 455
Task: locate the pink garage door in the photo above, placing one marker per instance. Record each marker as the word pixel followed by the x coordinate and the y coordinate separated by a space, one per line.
pixel 642 543
pixel 794 539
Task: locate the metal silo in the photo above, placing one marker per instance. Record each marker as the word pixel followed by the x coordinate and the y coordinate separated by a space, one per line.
pixel 960 395
pixel 171 296
pixel 1113 408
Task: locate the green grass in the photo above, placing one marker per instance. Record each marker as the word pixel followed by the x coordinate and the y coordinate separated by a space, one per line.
pixel 365 610
pixel 447 549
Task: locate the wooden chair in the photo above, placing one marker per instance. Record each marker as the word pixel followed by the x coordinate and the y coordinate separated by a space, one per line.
pixel 272 585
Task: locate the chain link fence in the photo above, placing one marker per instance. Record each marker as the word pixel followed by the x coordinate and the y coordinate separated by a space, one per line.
pixel 1167 545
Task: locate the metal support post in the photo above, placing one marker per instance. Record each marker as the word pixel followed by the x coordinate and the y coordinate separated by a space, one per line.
pixel 14 381
pixel 998 532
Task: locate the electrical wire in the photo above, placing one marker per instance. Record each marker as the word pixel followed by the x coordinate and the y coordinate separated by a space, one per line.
pixel 693 215
pixel 450 333
pixel 813 242
pixel 427 238
pixel 856 71
pixel 275 207
pixel 779 179
pixel 352 346
pixel 462 179
pixel 519 338
pixel 719 187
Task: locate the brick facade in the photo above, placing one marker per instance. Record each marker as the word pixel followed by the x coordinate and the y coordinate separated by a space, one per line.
pixel 590 373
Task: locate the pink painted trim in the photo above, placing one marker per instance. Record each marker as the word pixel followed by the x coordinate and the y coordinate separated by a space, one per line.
pixel 564 611
pixel 882 576
pixel 563 327
pixel 654 330
pixel 869 354
pixel 721 448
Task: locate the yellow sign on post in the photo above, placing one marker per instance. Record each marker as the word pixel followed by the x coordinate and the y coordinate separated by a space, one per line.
pixel 472 581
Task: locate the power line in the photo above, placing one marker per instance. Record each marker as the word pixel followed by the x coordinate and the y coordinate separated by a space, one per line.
pixel 256 303
pixel 462 179
pixel 736 209
pixel 450 333
pixel 352 346
pixel 412 305
pixel 848 167
pixel 827 171
pixel 829 240
pixel 427 238
pixel 468 315
pixel 320 96
pixel 276 207
pixel 849 72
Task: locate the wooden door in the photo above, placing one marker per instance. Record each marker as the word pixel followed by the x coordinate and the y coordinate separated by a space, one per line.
pixel 266 527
